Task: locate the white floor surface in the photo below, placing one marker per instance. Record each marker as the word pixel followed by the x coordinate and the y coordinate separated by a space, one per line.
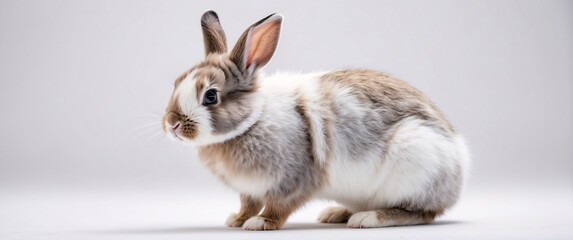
pixel 48 214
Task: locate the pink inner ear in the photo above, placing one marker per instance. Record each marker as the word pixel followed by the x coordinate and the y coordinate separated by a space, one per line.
pixel 263 41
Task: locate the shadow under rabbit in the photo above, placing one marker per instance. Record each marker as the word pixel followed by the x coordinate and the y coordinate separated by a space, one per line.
pixel 223 229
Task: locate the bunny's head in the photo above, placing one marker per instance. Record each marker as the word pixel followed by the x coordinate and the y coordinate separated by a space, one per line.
pixel 218 99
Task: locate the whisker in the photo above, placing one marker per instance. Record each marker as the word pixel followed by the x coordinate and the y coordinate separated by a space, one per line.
pixel 144 114
pixel 147 125
pixel 146 131
pixel 151 138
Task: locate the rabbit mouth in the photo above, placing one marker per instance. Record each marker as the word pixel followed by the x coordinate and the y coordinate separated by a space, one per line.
pixel 176 136
pixel 175 131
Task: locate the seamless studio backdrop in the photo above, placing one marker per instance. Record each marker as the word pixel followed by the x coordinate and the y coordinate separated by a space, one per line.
pixel 83 85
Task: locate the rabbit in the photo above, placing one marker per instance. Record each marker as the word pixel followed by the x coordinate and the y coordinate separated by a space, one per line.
pixel 375 145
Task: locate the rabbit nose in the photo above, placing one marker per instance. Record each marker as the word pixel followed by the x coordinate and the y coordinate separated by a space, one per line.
pixel 175 126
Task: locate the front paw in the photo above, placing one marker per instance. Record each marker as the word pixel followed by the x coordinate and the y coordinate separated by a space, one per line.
pixel 234 221
pixel 257 223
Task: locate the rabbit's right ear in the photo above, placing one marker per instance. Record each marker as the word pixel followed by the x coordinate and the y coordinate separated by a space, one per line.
pixel 213 35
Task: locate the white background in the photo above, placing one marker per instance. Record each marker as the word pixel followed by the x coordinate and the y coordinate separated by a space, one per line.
pixel 83 85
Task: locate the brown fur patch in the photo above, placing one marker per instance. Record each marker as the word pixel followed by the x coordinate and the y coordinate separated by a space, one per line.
pixel 396 99
pixel 329 111
pixel 235 93
pixel 200 85
pixel 301 109
pixel 277 211
pixel 213 34
pixel 189 129
pixel 182 77
pixel 222 153
pixel 238 52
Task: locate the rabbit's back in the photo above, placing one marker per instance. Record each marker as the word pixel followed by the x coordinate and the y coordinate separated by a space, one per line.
pixel 390 145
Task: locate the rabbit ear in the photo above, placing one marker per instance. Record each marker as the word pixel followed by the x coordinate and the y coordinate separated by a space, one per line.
pixel 257 45
pixel 213 34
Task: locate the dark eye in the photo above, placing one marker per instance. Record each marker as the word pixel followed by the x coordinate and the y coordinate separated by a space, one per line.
pixel 210 97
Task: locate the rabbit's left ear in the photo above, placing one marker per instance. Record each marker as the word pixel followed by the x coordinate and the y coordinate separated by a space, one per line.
pixel 213 34
pixel 257 45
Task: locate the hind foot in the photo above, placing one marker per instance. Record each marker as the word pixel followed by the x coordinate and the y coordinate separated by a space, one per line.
pixel 334 215
pixel 389 217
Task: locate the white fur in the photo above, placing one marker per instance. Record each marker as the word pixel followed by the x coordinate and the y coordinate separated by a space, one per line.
pixel 307 85
pixel 254 223
pixel 415 156
pixel 254 185
pixel 186 95
pixel 367 219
